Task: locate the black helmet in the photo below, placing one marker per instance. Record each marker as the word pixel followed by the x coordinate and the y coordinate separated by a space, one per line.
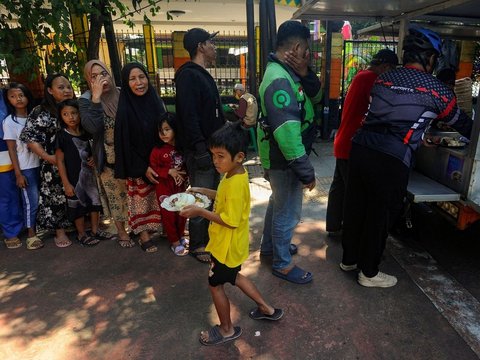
pixel 420 39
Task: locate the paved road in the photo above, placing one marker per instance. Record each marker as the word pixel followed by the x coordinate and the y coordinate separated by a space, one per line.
pixel 113 303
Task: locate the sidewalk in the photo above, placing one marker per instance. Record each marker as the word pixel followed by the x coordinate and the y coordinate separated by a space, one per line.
pixel 112 303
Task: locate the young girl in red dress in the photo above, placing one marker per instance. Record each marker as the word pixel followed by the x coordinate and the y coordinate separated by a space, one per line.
pixel 169 164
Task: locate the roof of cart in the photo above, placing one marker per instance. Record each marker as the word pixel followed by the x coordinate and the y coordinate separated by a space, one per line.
pixel 386 10
pixel 448 16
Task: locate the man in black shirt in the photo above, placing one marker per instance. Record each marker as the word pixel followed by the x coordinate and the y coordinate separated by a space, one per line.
pixel 199 113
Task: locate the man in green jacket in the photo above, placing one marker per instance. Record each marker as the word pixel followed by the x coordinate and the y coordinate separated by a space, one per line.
pixel 285 135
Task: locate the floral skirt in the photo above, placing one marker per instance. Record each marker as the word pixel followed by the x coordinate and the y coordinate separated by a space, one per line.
pixel 52 204
pixel 115 200
pixel 143 208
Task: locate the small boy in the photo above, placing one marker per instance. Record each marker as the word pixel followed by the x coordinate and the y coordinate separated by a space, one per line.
pixel 229 233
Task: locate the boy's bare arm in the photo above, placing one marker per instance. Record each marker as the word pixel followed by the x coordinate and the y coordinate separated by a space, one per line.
pixel 211 194
pixel 190 211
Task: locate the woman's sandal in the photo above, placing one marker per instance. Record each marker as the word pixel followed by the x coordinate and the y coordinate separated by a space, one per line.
pixel 62 242
pixel 88 241
pixel 34 243
pixel 126 243
pixel 13 243
pixel 148 246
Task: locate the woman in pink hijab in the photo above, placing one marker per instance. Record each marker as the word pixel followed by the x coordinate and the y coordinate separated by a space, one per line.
pixel 98 109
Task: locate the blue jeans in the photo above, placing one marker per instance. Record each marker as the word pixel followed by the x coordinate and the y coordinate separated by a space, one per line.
pixel 11 221
pixel 283 214
pixel 30 196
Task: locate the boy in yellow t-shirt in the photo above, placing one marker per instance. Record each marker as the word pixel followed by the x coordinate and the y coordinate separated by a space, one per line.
pixel 229 233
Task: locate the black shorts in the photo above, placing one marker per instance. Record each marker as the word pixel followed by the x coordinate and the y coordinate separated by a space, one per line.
pixel 220 274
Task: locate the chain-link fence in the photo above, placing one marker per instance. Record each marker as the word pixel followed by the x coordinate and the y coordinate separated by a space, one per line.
pixel 357 56
pixel 231 64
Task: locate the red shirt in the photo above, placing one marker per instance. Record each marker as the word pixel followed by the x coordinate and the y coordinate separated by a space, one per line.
pixel 162 159
pixel 354 110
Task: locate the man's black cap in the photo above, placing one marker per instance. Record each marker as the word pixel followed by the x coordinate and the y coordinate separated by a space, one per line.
pixel 385 56
pixel 195 36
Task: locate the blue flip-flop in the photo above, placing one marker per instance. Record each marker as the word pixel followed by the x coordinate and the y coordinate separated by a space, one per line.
pixel 256 314
pixel 296 275
pixel 215 337
pixel 293 250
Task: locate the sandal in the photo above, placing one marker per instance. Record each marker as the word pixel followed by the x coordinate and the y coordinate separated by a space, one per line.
pixel 34 243
pixel 256 314
pixel 126 243
pixel 215 337
pixel 13 243
pixel 185 242
pixel 101 235
pixel 62 242
pixel 179 250
pixel 88 241
pixel 295 275
pixel 148 246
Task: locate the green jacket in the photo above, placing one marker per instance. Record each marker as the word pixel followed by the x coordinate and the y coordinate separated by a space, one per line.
pixel 286 128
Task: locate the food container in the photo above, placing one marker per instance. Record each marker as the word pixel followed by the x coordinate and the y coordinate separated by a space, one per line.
pixel 445 138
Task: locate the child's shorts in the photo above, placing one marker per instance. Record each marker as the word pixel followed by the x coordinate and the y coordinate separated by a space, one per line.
pixel 220 274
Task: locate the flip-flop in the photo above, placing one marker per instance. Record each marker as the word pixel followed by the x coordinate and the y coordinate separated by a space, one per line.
pixel 196 255
pixel 179 250
pixel 126 243
pixel 62 242
pixel 185 242
pixel 34 243
pixel 256 314
pixel 215 337
pixel 13 243
pixel 295 275
pixel 293 250
pixel 148 246
pixel 87 241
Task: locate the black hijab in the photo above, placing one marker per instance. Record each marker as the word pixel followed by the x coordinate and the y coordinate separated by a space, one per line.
pixel 135 127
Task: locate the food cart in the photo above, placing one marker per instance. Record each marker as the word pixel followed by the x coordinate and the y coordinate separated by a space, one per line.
pixel 447 174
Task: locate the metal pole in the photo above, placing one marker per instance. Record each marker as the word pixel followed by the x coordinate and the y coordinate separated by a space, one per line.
pixel 112 47
pixel 343 74
pixel 272 24
pixel 264 43
pixel 326 96
pixel 252 78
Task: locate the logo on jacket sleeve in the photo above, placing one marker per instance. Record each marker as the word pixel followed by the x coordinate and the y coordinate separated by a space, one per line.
pixel 281 99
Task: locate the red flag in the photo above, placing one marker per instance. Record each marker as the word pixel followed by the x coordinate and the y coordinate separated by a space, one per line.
pixel 346 30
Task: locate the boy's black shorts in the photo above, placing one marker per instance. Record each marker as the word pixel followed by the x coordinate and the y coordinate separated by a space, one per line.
pixel 220 274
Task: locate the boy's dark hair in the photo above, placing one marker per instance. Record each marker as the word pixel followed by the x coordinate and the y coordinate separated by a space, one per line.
pixel 26 91
pixel 64 103
pixel 231 137
pixel 291 30
pixel 171 120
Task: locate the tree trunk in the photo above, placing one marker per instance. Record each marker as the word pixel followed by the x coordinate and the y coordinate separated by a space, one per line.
pixel 96 23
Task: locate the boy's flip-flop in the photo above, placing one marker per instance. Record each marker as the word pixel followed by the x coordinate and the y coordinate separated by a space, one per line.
pixel 296 275
pixel 293 250
pixel 256 314
pixel 215 337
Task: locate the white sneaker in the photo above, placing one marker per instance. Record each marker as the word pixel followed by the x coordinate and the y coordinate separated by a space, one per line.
pixel 348 267
pixel 380 280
